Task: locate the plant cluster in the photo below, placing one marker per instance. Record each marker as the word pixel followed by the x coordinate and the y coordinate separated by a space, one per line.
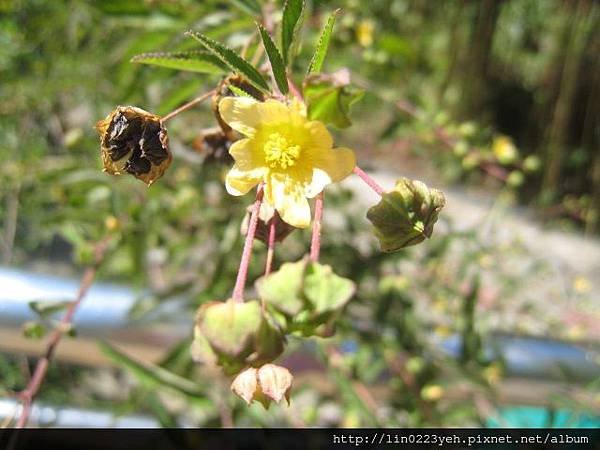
pixel 276 134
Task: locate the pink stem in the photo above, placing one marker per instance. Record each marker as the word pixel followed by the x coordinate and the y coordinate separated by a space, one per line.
pixel 29 393
pixel 187 106
pixel 271 244
pixel 294 90
pixel 370 181
pixel 315 244
pixel 240 282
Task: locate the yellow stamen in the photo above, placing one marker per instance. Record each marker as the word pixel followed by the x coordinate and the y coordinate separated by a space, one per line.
pixel 279 152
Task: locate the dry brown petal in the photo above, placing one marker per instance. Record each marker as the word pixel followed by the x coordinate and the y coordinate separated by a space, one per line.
pixel 245 384
pixel 275 382
pixel 134 141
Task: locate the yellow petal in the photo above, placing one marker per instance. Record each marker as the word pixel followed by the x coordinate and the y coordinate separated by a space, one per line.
pixel 246 115
pixel 240 113
pixel 338 163
pixel 239 181
pixel 320 136
pixel 246 155
pixel 288 197
pixel 320 179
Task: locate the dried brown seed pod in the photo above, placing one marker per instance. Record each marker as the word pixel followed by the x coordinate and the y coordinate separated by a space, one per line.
pixel 134 141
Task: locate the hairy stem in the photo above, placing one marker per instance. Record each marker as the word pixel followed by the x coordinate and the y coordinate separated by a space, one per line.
pixel 315 243
pixel 28 394
pixel 370 181
pixel 187 106
pixel 240 282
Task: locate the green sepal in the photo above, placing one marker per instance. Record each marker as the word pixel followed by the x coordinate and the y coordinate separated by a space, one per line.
pixel 406 215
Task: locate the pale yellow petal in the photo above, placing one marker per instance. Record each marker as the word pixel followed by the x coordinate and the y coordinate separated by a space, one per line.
pixel 239 181
pixel 319 135
pixel 337 162
pixel 240 113
pixel 320 179
pixel 288 197
pixel 245 154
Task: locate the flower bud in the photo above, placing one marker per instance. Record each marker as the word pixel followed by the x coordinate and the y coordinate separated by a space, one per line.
pixel 134 141
pixel 234 335
pixel 406 215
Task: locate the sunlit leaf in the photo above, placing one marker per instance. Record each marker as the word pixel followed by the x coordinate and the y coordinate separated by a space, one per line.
pixel 292 12
pixel 149 374
pixel 330 102
pixel 232 59
pixel 316 63
pixel 277 65
pixel 251 7
pixel 192 61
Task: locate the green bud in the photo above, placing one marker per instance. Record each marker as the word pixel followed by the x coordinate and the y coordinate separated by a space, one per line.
pixel 515 178
pixel 234 334
pixel 406 215
pixel 532 164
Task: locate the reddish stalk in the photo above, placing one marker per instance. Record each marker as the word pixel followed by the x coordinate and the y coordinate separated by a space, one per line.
pixel 28 394
pixel 187 106
pixel 271 244
pixel 294 90
pixel 370 181
pixel 315 243
pixel 240 282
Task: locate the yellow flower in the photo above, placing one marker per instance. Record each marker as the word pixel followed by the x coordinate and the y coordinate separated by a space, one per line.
pixel 292 155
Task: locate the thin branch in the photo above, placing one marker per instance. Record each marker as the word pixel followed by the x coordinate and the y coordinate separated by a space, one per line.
pixel 240 282
pixel 187 106
pixel 28 394
pixel 315 243
pixel 271 244
pixel 368 180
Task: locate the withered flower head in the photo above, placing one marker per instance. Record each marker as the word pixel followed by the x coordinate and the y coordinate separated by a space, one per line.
pixel 134 141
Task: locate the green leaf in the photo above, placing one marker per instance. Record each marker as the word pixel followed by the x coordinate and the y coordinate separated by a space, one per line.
pixel 232 59
pixel 238 92
pixel 325 290
pixel 316 63
pixel 192 61
pixel 282 289
pixel 45 309
pixel 33 330
pixel 292 11
pixel 406 215
pixel 251 7
pixel 150 375
pixel 330 103
pixel 275 59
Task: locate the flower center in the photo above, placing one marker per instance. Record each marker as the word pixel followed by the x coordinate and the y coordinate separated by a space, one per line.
pixel 279 152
